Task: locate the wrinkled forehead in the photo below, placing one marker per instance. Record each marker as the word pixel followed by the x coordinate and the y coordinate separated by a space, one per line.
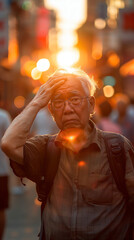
pixel 75 84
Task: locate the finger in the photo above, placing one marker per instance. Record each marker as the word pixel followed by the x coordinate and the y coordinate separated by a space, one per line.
pixel 56 79
pixel 57 84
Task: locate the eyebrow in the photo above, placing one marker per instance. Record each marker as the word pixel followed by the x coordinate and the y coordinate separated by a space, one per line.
pixel 69 93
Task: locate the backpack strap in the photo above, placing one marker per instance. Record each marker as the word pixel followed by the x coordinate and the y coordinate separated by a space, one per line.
pixel 117 159
pixel 49 169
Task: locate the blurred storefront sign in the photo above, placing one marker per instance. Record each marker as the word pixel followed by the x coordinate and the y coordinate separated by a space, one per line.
pixel 126 24
pixel 42 27
pixel 3 28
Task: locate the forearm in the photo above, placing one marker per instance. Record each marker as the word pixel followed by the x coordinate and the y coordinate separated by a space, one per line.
pixel 18 131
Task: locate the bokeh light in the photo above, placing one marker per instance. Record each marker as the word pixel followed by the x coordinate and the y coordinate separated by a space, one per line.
pixel 43 65
pixel 19 101
pixel 109 80
pixel 113 60
pixel 108 91
pixel 27 66
pixel 100 23
pixel 35 73
pixel 127 68
pixel 27 5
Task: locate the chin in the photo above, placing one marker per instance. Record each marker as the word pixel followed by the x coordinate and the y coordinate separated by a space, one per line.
pixel 69 126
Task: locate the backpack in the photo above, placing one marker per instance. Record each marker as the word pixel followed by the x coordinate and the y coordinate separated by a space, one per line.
pixel 116 157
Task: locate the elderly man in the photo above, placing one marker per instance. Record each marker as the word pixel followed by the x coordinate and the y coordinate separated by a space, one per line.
pixel 84 202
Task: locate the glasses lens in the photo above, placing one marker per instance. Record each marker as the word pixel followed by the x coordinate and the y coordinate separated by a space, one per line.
pixel 75 100
pixel 58 103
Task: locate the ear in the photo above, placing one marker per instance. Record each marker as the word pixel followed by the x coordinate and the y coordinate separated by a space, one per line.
pixel 50 108
pixel 92 104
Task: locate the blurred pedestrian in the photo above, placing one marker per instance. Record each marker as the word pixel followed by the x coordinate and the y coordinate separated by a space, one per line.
pixel 5 121
pixel 105 123
pixel 122 116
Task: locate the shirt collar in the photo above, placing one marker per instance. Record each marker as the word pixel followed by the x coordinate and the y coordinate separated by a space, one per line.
pixel 93 138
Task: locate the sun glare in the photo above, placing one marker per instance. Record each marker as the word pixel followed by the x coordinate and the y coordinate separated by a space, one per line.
pixel 67 58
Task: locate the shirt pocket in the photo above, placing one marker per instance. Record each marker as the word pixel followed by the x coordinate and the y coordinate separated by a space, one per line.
pixel 98 189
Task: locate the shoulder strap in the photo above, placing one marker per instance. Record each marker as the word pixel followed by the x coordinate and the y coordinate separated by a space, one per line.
pixel 52 160
pixel 49 169
pixel 117 160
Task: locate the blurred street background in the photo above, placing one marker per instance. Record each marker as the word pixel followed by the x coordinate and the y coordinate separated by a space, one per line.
pixel 37 37
pixel 23 215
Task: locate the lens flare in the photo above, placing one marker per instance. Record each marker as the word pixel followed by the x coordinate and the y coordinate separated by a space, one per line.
pixel 81 164
pixel 71 138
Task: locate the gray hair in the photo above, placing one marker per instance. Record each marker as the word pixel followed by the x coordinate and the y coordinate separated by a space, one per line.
pixel 88 83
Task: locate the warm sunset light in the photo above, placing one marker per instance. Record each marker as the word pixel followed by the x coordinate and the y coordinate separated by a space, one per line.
pixel 127 68
pixel 13 54
pixel 67 39
pixel 70 15
pixel 43 65
pixel 108 91
pixel 112 23
pixel 27 66
pixel 100 23
pixel 70 138
pixel 35 73
pixel 81 163
pixel 19 101
pixel 67 58
pixel 113 60
pixel 97 49
pixel 35 90
pixel 72 12
pixel 112 12
pixel 119 4
pixel 37 202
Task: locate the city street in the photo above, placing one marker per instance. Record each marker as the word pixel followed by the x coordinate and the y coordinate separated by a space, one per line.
pixel 23 217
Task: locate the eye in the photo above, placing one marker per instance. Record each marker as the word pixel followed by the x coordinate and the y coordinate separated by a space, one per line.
pixel 75 100
pixel 58 103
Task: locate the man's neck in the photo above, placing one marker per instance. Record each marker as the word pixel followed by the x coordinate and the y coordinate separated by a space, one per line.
pixel 76 138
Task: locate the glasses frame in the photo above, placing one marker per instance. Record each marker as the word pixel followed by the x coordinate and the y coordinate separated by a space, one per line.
pixel 67 100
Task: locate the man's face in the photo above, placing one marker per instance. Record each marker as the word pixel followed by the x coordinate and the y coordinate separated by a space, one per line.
pixel 71 115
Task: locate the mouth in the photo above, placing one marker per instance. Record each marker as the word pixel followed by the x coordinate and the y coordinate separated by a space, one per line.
pixel 70 123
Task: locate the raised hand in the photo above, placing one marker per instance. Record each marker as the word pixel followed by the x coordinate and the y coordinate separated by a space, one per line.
pixel 45 92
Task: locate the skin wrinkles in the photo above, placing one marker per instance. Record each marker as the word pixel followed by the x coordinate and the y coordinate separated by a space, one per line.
pixel 63 95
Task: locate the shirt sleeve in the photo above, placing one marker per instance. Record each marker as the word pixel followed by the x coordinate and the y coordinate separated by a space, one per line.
pixel 34 157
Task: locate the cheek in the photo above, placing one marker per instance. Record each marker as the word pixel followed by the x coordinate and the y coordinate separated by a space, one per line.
pixel 57 115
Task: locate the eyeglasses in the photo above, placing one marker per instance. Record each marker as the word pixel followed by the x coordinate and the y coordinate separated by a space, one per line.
pixel 73 101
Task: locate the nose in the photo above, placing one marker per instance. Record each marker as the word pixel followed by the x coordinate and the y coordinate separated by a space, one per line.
pixel 67 107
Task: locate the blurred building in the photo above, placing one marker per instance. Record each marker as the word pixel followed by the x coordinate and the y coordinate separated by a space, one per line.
pixel 101 42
